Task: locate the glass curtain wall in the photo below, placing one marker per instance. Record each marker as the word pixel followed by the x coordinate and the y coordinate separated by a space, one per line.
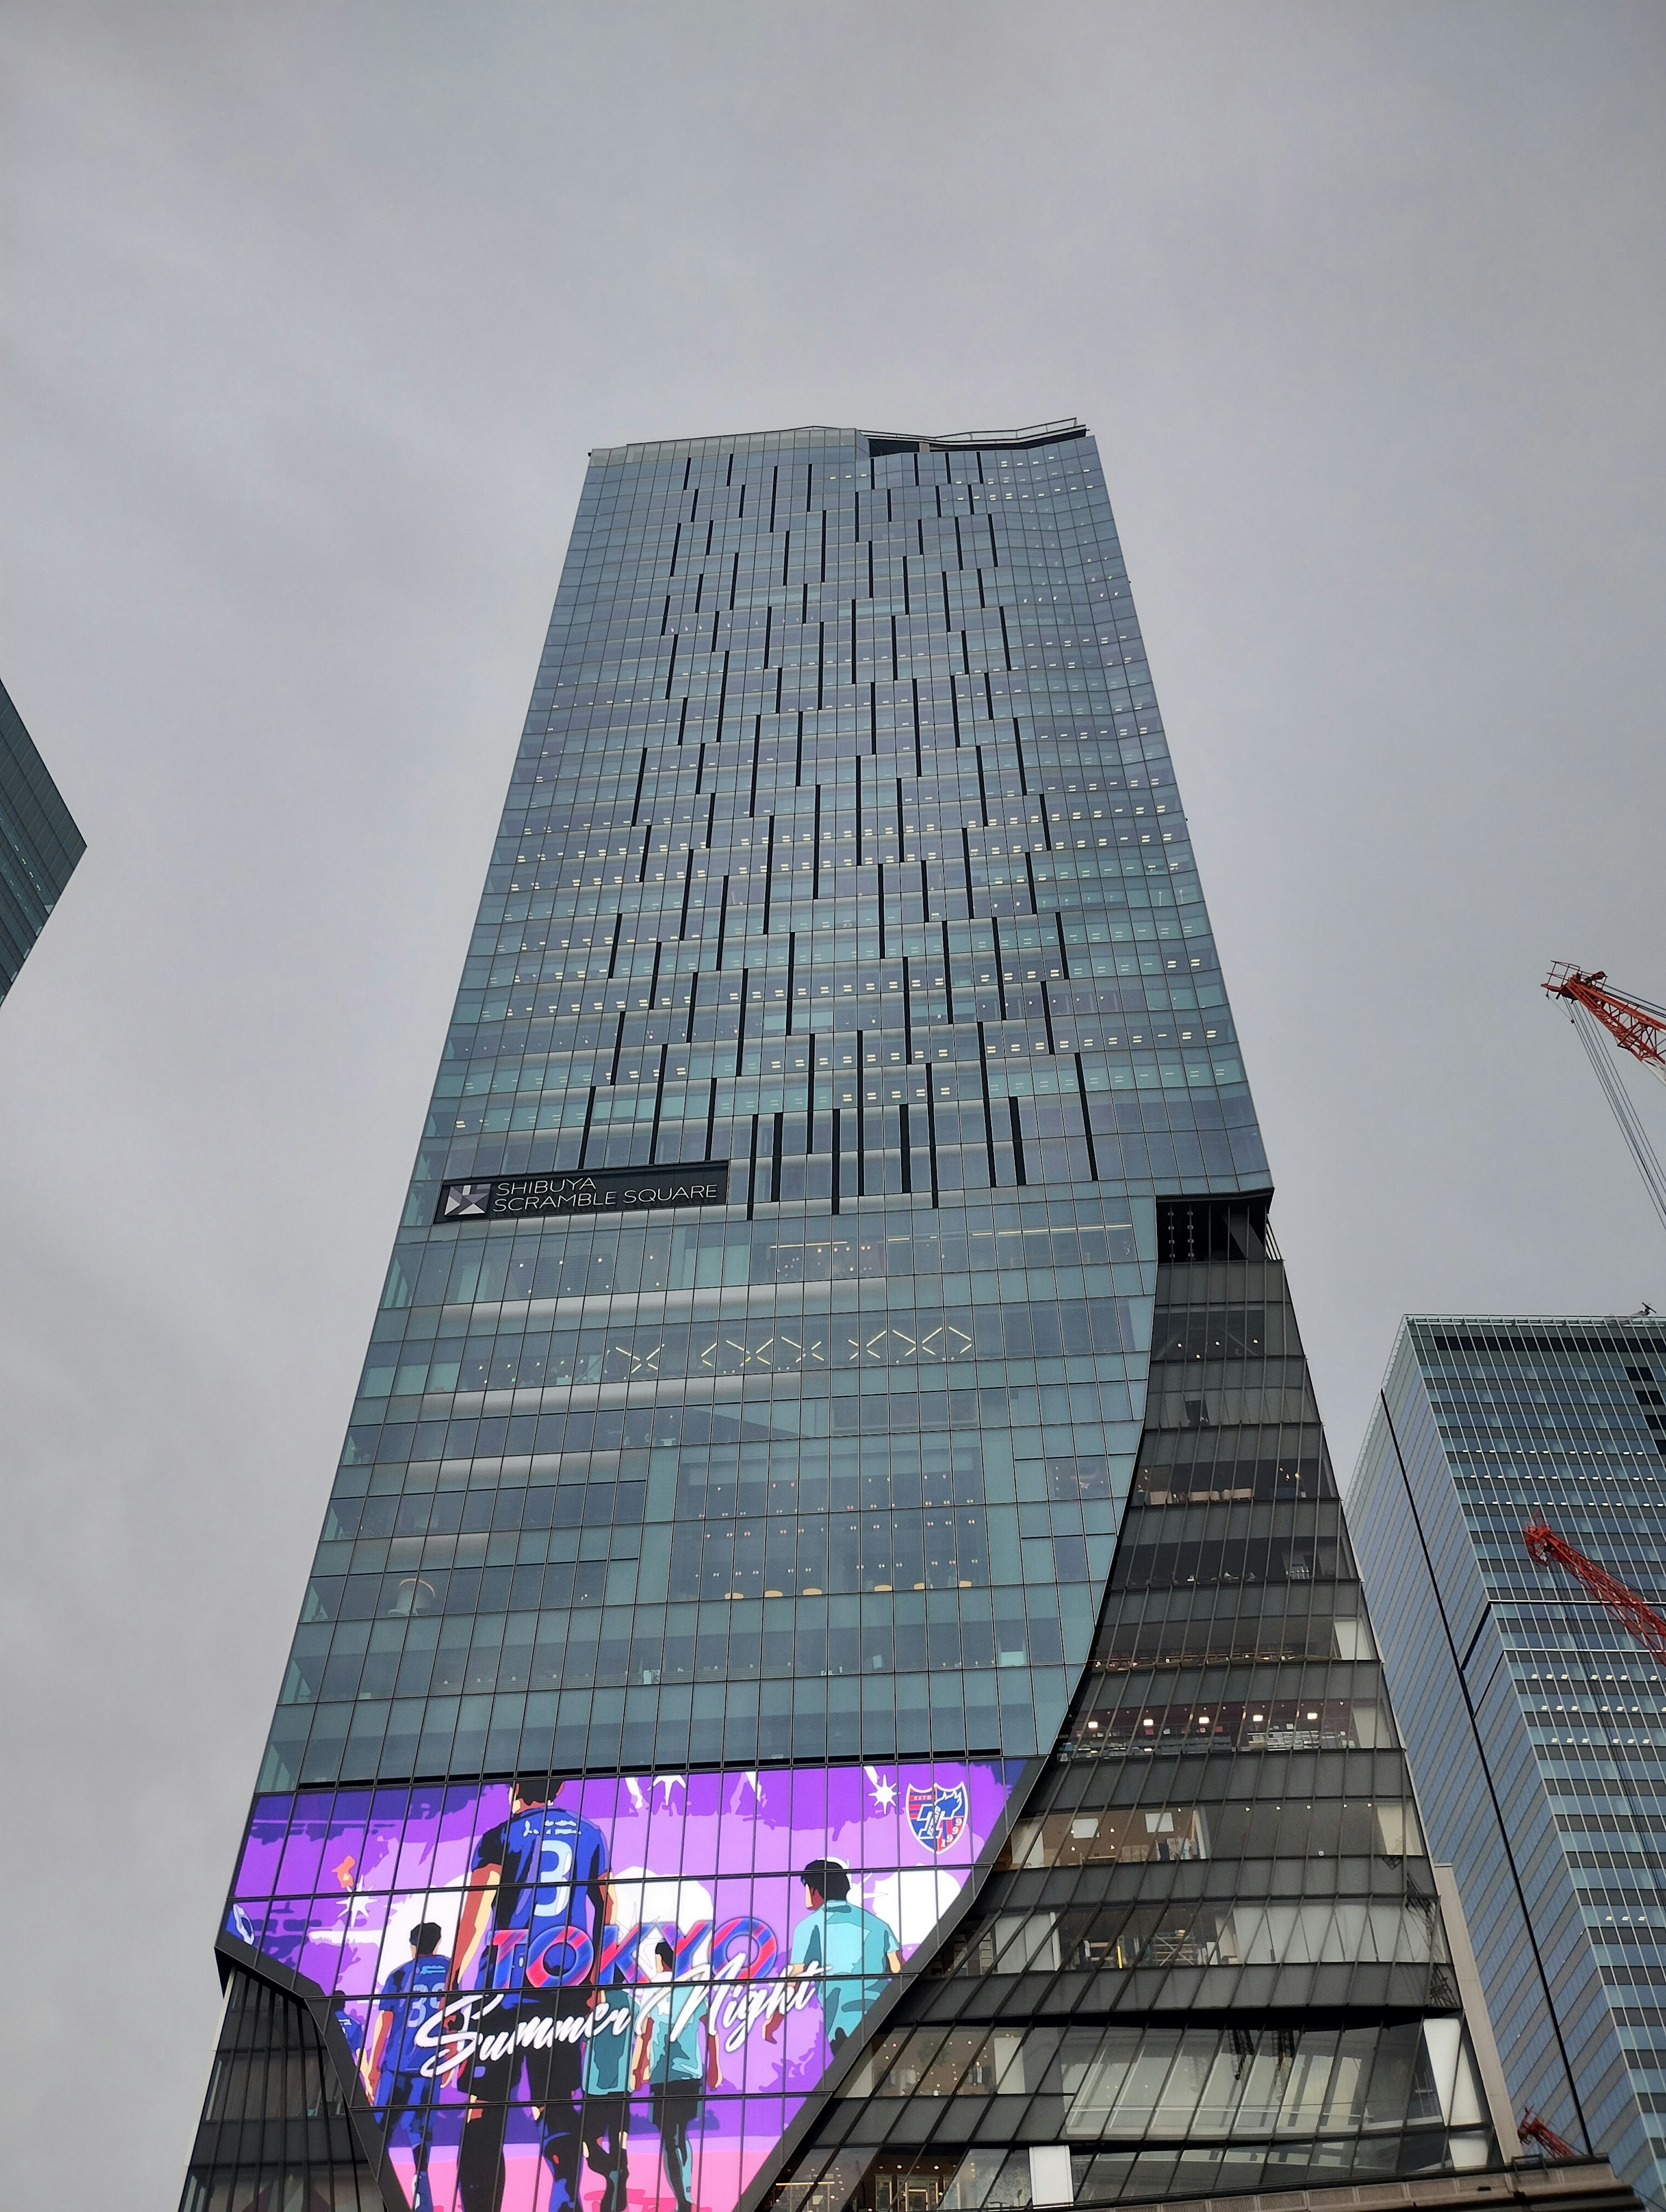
pixel 1536 1724
pixel 40 843
pixel 1210 1958
pixel 729 1505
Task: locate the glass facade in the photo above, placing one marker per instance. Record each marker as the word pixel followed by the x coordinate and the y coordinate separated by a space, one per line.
pixel 834 1550
pixel 1537 1726
pixel 1209 1958
pixel 40 843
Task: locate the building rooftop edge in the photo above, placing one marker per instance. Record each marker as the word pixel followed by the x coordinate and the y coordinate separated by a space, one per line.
pixel 1409 1322
pixel 822 434
pixel 1528 1320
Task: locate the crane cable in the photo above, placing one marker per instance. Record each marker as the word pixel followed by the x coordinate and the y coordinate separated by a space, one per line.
pixel 1598 1052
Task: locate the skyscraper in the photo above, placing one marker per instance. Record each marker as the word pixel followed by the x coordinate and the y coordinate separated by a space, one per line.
pixel 1537 1726
pixel 40 843
pixel 833 1673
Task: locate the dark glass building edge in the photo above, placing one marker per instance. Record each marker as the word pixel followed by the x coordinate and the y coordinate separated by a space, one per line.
pixel 1529 1713
pixel 1215 1905
pixel 866 873
pixel 40 843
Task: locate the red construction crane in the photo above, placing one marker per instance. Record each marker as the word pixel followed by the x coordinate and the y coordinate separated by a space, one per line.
pixel 1635 1615
pixel 1531 2128
pixel 1636 1027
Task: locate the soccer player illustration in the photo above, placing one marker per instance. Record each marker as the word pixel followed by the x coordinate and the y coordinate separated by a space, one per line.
pixel 850 1952
pixel 352 2032
pixel 671 2024
pixel 393 2077
pixel 609 2057
pixel 534 1910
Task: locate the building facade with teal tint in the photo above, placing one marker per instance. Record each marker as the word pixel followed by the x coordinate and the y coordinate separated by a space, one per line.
pixel 1537 1726
pixel 835 1541
pixel 40 843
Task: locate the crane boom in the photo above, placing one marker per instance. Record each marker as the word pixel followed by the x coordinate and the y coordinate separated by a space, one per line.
pixel 1531 2128
pixel 1637 1028
pixel 1635 1615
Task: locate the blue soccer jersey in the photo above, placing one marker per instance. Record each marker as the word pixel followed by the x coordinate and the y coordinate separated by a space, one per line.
pixel 412 1994
pixel 550 1906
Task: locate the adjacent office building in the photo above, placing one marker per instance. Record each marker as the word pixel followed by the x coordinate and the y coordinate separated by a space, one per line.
pixel 1536 1726
pixel 40 843
pixel 834 1674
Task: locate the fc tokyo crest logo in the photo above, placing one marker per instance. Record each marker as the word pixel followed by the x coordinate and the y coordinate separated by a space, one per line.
pixel 937 1815
pixel 470 1197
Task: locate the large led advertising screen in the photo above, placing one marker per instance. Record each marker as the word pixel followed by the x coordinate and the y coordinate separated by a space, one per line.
pixel 610 1994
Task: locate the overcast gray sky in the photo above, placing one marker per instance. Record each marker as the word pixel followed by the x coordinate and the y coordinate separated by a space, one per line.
pixel 310 315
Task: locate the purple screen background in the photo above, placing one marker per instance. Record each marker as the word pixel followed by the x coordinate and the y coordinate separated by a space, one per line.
pixel 331 1882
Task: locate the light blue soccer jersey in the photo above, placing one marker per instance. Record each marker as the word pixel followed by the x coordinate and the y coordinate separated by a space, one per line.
pixel 677 2010
pixel 845 1946
pixel 613 2038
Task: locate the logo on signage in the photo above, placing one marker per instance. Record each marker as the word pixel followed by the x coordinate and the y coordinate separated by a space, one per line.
pixel 465 1198
pixel 938 1814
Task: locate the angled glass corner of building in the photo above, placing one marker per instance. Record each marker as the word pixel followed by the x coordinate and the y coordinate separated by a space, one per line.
pixel 834 1671
pixel 1210 1957
pixel 1536 1725
pixel 40 843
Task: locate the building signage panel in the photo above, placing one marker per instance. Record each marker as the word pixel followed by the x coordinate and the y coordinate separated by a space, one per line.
pixel 584 1190
pixel 539 1979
